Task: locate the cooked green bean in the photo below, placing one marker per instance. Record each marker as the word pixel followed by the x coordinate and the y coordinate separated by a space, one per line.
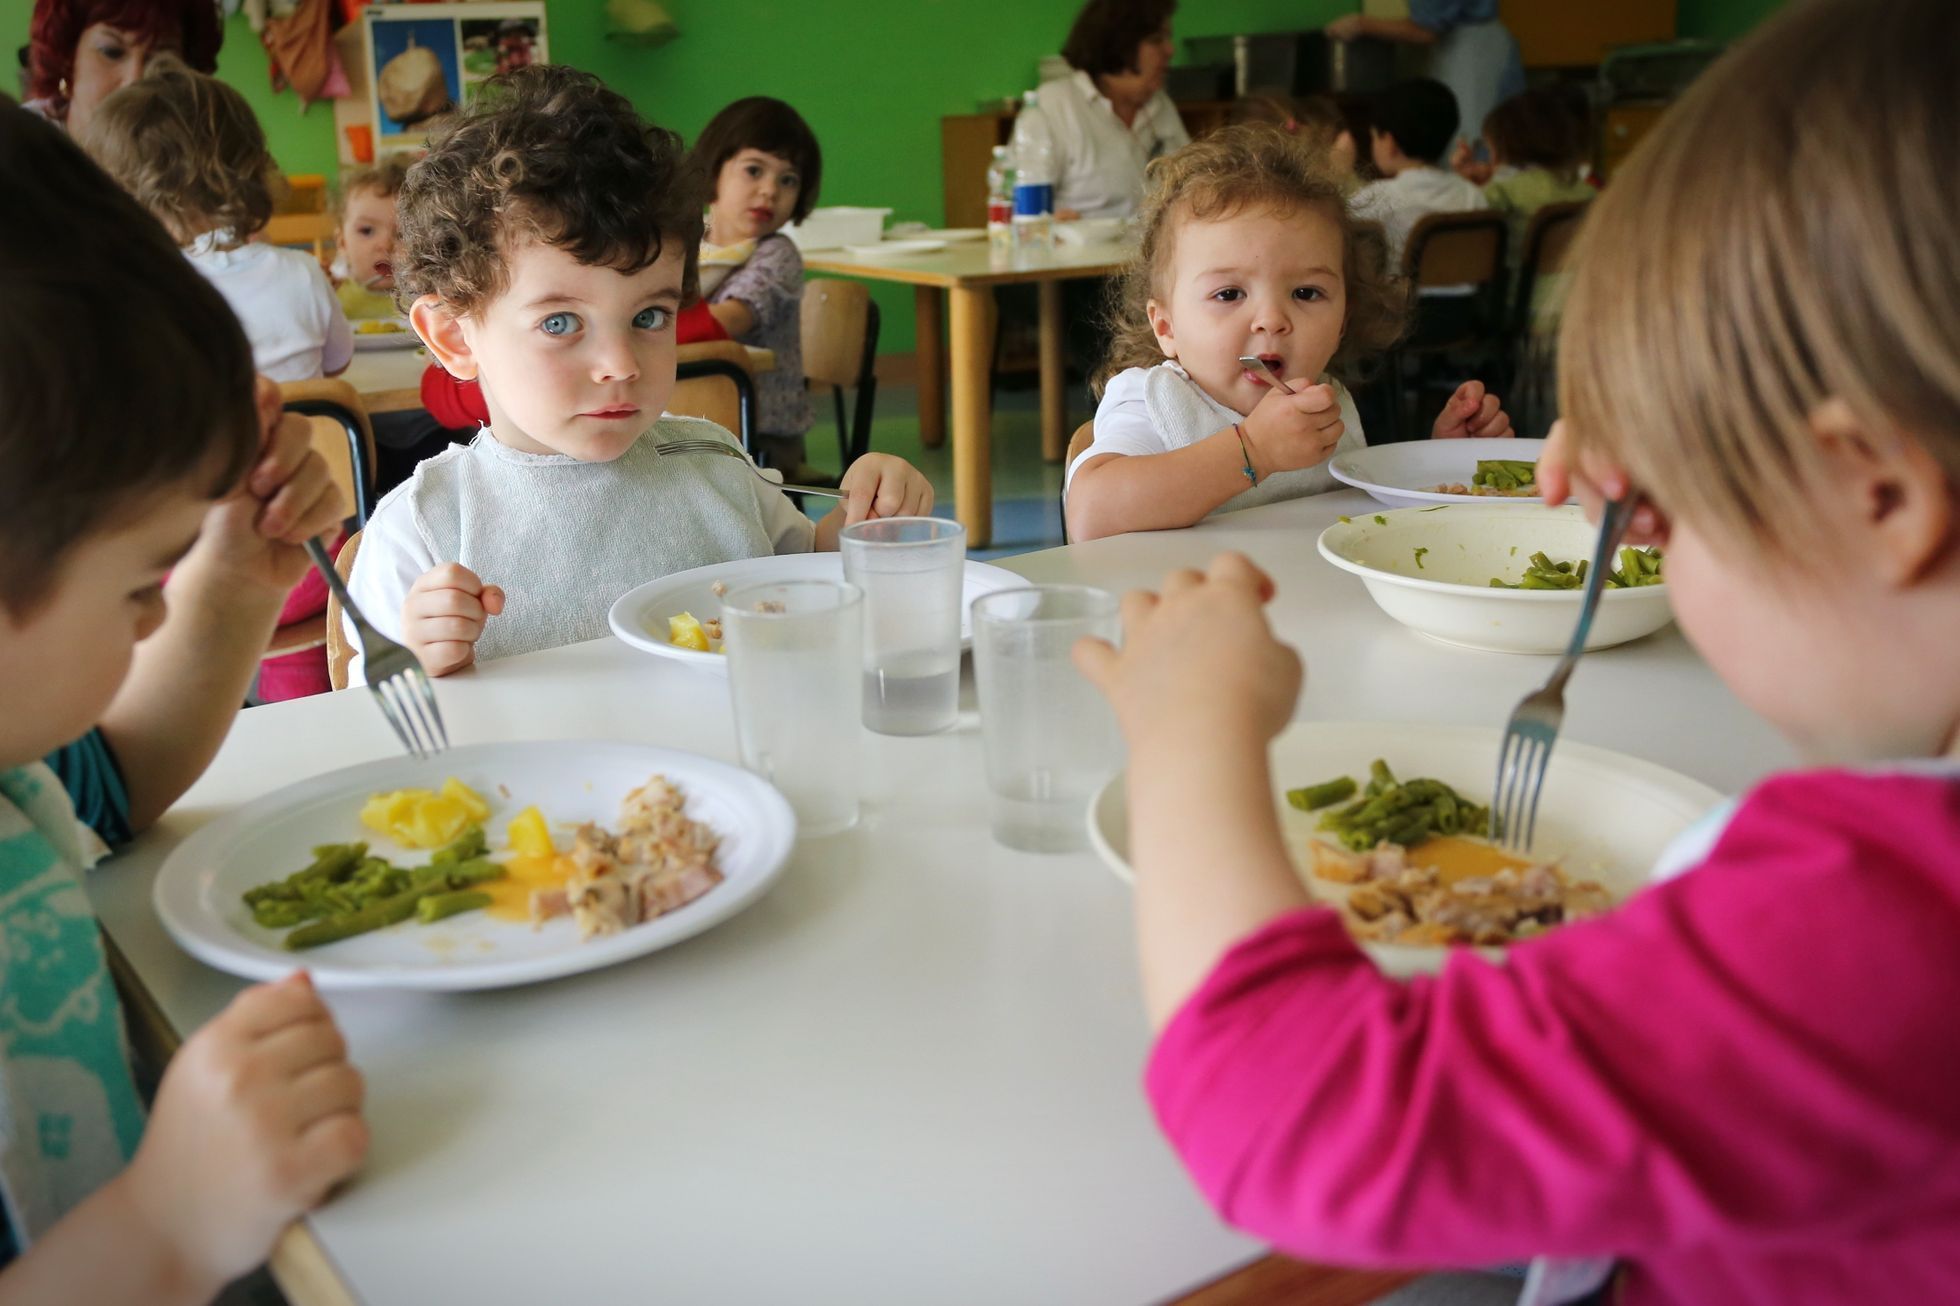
pixel 1405 813
pixel 1505 474
pixel 345 892
pixel 1637 567
pixel 438 905
pixel 376 915
pixel 1325 794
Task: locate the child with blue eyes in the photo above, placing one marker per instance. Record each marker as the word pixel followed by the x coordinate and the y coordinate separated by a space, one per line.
pixel 1247 248
pixel 547 243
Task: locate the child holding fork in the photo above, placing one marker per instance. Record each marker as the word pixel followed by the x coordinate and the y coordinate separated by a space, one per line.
pixel 1742 1085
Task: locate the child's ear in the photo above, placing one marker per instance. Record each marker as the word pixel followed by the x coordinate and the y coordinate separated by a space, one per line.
pixel 1160 326
pixel 442 331
pixel 1902 511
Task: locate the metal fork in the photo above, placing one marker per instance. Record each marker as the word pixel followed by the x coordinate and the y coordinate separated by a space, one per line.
pixel 394 676
pixel 1533 727
pixel 774 478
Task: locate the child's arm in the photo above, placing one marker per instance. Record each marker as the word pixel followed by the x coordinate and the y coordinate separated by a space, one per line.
pixel 1113 493
pixel 877 485
pixel 736 317
pixel 258 1116
pixel 188 679
pixel 444 615
pixel 1472 414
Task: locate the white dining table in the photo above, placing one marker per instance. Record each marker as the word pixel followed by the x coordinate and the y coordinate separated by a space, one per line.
pixel 909 1074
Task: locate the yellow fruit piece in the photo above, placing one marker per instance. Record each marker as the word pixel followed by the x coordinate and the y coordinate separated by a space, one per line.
pixel 423 818
pixel 529 834
pixel 683 631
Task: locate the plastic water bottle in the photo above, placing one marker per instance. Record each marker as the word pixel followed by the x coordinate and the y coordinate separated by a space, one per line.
pixel 1034 180
pixel 1000 200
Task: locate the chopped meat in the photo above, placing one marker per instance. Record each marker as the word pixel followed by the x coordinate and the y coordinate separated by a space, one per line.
pixel 659 861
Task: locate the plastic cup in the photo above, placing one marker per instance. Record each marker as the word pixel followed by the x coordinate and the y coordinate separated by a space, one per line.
pixel 1050 738
pixel 360 142
pixel 794 663
pixel 913 573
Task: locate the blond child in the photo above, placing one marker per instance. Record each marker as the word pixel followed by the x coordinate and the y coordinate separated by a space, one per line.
pixel 547 242
pixel 103 489
pixel 1743 1085
pixel 189 149
pixel 364 242
pixel 1247 248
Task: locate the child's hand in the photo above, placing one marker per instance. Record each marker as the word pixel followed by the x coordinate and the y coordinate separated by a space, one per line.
pixel 1199 662
pixel 258 1116
pixel 1289 431
pixel 288 497
pixel 444 614
pixel 1472 414
pixel 881 485
pixel 1592 481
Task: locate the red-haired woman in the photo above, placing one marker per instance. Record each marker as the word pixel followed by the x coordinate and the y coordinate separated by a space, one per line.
pixel 81 50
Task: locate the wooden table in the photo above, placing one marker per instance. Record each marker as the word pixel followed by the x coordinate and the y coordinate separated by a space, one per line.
pixel 390 380
pixel 908 1074
pixel 967 273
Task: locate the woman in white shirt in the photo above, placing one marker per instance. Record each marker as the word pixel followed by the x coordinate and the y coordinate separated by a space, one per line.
pixel 1110 117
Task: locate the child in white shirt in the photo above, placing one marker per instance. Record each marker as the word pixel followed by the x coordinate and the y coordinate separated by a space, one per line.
pixel 547 241
pixel 189 149
pixel 1247 248
pixel 1414 123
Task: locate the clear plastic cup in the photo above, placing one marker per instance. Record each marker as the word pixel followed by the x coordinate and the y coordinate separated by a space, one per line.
pixel 795 657
pixel 912 571
pixel 1050 738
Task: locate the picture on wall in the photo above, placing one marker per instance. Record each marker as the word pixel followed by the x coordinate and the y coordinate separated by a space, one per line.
pixel 427 60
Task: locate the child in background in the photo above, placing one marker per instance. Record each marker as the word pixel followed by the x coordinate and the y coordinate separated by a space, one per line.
pixel 1413 125
pixel 363 265
pixel 1537 146
pixel 763 169
pixel 103 488
pixel 578 225
pixel 1247 247
pixel 1743 1084
pixel 189 149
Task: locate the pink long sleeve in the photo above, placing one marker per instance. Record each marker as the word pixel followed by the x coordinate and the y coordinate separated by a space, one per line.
pixel 1746 1082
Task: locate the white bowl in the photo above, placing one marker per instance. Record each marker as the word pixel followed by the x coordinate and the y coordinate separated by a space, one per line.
pixel 1447 595
pixel 1406 474
pixel 1608 816
pixel 838 226
pixel 639 616
pixel 1092 231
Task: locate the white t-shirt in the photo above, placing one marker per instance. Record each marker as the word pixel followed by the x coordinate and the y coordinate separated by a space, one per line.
pixel 1148 410
pixel 283 300
pixel 564 538
pixel 1401 201
pixel 1098 161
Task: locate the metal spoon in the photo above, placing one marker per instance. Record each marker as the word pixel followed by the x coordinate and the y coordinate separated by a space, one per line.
pixel 1253 363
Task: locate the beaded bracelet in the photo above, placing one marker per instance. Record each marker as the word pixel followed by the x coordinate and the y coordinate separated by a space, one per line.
pixel 1245 451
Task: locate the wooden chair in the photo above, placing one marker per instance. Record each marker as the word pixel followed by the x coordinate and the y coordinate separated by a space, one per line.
pixel 1447 250
pixel 300 214
pixel 840 346
pixel 712 380
pixel 1531 347
pixel 1085 435
pixel 339 652
pixel 341 435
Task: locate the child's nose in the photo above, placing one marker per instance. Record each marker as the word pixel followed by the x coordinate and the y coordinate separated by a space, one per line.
pixel 1270 315
pixel 615 361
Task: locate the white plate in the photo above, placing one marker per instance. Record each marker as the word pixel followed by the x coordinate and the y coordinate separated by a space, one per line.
pixel 1609 816
pixel 640 615
pixel 1405 474
pixel 895 248
pixel 1092 231
pixel 365 341
pixel 1447 595
pixel 197 893
pixel 953 235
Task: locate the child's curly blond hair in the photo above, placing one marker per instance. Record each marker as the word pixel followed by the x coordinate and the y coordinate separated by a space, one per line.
pixel 1252 166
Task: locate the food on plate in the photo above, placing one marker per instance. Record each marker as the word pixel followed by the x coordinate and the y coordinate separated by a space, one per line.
pixel 659 860
pixel 1414 871
pixel 684 630
pixel 345 891
pixel 1637 567
pixel 1505 478
pixel 424 818
pixel 378 326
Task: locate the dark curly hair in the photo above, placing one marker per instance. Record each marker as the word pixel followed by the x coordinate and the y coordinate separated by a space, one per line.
pixel 188 28
pixel 545 153
pixel 760 123
pixel 1107 34
pixel 190 150
pixel 122 370
pixel 1252 166
pixel 1540 128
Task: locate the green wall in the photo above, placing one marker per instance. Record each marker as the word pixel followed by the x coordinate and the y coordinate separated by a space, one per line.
pixel 1722 20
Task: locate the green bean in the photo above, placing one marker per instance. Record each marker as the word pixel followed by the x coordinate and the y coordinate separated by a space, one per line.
pixel 330 861
pixel 438 905
pixel 1637 567
pixel 1392 811
pixel 470 843
pixel 1419 553
pixel 1325 794
pixel 376 915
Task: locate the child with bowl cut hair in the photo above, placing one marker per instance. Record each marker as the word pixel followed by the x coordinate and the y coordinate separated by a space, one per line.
pixel 547 242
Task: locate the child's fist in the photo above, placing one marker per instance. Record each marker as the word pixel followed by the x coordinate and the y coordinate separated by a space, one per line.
pixel 287 498
pixel 1472 414
pixel 1286 432
pixel 882 485
pixel 444 615
pixel 258 1116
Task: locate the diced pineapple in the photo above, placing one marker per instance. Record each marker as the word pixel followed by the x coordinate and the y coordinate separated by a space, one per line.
pixel 528 833
pixel 473 805
pixel 423 818
pixel 683 631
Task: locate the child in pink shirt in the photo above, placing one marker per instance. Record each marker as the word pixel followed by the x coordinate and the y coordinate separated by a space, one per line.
pixel 1743 1086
